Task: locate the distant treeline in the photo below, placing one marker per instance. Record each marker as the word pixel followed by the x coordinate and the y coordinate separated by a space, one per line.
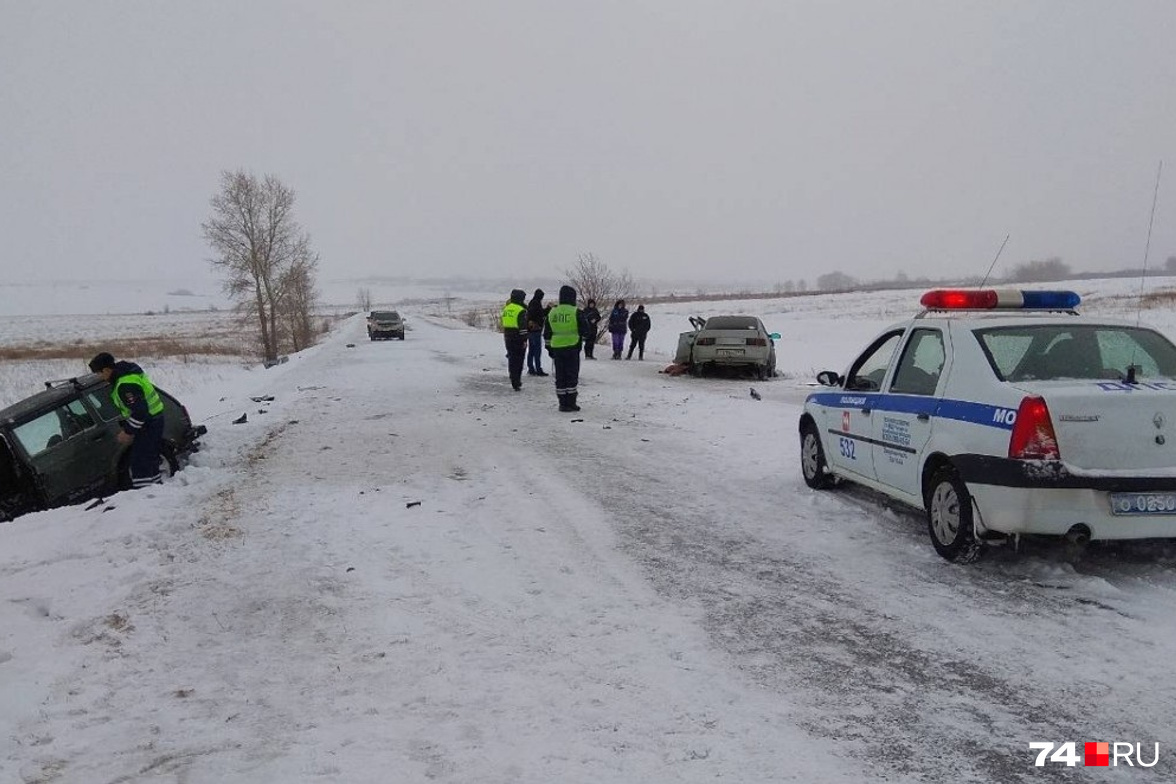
pixel 1035 271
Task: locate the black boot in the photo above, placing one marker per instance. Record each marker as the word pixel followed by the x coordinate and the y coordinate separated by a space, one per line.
pixel 570 401
pixel 563 402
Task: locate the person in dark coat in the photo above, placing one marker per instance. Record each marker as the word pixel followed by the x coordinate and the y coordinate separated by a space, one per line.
pixel 562 336
pixel 514 332
pixel 591 331
pixel 618 324
pixel 536 318
pixel 638 328
pixel 141 408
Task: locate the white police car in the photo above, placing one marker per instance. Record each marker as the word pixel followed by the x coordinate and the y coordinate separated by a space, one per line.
pixel 1004 413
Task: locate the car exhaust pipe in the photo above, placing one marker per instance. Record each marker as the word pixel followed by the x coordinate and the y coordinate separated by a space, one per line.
pixel 1078 535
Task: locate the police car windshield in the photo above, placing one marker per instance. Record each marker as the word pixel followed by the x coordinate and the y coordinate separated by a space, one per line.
pixel 385 315
pixel 1046 352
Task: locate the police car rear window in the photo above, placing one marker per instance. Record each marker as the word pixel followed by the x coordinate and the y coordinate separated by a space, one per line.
pixel 1047 352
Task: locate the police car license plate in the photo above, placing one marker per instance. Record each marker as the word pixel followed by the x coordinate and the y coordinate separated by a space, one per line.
pixel 1143 503
pixel 729 352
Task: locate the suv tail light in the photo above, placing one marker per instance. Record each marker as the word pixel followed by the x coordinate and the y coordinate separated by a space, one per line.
pixel 1033 435
pixel 704 342
pixel 757 342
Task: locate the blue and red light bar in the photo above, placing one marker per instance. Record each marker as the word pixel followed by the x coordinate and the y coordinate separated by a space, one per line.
pixel 999 299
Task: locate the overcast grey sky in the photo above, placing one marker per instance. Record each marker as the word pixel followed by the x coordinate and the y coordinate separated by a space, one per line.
pixel 674 138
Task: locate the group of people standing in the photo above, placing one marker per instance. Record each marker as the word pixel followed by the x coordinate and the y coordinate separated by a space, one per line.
pixel 529 328
pixel 636 324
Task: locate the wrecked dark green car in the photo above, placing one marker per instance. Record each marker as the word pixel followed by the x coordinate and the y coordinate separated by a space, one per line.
pixel 60 445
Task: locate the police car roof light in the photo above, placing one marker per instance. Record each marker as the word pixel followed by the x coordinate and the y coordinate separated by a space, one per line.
pixel 1051 300
pixel 959 299
pixel 999 299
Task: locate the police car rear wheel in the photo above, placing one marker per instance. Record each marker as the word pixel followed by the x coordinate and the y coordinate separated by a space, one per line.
pixel 949 517
pixel 812 459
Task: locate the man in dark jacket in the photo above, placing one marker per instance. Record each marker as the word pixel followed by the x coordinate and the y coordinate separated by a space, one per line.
pixel 638 327
pixel 591 332
pixel 142 416
pixel 514 332
pixel 562 335
pixel 536 318
pixel 618 324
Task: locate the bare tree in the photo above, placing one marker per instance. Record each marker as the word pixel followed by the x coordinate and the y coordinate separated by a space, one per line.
pixel 257 243
pixel 593 279
pixel 363 298
pixel 1040 271
pixel 835 281
pixel 299 298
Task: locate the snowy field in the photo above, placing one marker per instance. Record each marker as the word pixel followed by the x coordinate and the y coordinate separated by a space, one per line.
pixel 402 571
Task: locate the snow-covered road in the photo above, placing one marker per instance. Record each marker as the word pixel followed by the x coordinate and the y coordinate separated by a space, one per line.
pixel 644 591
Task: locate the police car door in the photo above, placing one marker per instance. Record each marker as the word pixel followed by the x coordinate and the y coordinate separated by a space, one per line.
pixel 849 426
pixel 902 423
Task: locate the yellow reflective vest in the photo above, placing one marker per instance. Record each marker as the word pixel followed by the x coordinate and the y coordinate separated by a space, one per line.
pixel 565 326
pixel 154 404
pixel 510 316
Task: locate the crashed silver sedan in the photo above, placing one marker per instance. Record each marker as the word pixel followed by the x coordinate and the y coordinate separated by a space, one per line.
pixel 734 341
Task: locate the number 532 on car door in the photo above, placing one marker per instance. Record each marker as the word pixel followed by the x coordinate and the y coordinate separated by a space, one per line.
pixel 847 448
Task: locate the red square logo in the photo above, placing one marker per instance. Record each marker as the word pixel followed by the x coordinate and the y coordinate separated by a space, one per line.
pixel 1098 755
pixel 845 421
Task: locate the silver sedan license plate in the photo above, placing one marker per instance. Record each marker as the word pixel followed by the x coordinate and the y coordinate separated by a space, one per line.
pixel 730 352
pixel 1143 503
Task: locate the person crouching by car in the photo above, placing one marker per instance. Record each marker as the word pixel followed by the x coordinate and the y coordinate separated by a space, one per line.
pixel 142 415
pixel 562 336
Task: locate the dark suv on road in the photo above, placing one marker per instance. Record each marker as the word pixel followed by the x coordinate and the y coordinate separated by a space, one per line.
pixel 59 446
pixel 385 324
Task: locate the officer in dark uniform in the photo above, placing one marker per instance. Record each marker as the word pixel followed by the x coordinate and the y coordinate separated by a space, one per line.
pixel 591 316
pixel 142 415
pixel 514 332
pixel 562 335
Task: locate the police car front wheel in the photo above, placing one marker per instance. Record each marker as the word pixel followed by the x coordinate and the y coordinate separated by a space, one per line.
pixel 812 459
pixel 949 517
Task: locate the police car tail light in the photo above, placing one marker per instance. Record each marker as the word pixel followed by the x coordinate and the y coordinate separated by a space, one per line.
pixel 1033 432
pixel 705 342
pixel 757 342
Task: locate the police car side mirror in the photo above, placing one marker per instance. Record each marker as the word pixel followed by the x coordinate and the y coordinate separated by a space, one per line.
pixel 829 378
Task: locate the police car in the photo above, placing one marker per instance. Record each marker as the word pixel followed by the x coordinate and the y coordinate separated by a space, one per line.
pixel 1004 413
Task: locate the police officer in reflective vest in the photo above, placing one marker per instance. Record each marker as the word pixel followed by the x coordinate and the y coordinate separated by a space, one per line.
pixel 562 335
pixel 142 415
pixel 514 332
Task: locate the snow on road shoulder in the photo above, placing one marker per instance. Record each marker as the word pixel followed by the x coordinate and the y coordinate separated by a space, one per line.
pixel 285 610
pixel 399 569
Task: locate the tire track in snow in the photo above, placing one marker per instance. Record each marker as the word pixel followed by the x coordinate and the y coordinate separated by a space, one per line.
pixel 916 697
